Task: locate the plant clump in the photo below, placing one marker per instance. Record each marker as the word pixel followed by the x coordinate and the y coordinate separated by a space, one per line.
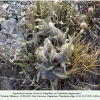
pixel 59 45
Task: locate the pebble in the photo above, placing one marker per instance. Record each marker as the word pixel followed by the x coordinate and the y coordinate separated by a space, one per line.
pixel 3 31
pixel 3 37
pixel 9 25
pixel 8 41
pixel 0 44
pixel 8 46
pixel 5 6
pixel 13 36
pixel 23 14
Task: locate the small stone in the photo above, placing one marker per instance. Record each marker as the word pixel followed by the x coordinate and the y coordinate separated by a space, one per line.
pixel 16 44
pixel 22 7
pixel 9 25
pixel 8 46
pixel 3 37
pixel 5 6
pixel 0 36
pixel 8 41
pixel 3 31
pixel 18 5
pixel 14 36
pixel 3 54
pixel 10 15
pixel 23 13
pixel 0 43
pixel 13 4
pixel 16 12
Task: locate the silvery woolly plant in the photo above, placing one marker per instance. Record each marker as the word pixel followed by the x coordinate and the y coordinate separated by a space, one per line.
pixel 51 60
pixel 57 32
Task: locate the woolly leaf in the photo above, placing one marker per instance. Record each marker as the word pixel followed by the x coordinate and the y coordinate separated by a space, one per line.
pixel 52 54
pixel 38 76
pixel 60 75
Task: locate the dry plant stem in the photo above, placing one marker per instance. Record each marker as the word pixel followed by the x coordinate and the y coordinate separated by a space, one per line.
pixel 93 42
pixel 54 84
pixel 81 31
pixel 28 77
pixel 92 72
pixel 77 87
pixel 72 71
pixel 91 84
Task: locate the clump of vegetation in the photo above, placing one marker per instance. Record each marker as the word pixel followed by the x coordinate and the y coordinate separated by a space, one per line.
pixel 60 46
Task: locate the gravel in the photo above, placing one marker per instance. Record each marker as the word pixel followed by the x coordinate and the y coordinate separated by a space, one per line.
pixel 13 28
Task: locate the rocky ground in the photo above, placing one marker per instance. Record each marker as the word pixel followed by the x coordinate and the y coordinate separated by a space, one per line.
pixel 12 30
